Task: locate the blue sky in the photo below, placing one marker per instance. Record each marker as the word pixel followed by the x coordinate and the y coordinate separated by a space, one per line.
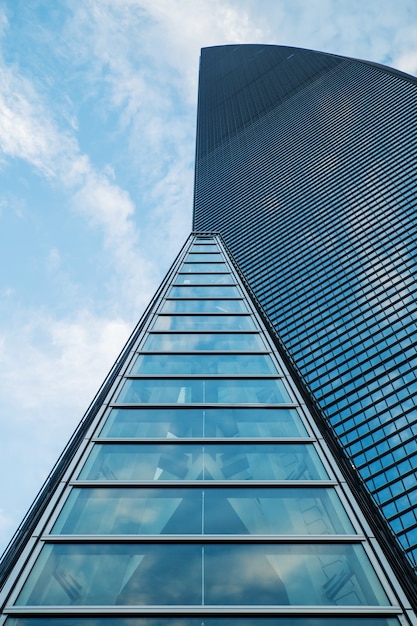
pixel 97 124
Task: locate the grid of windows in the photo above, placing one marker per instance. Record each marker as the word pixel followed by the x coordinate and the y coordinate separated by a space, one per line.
pixel 316 196
pixel 203 494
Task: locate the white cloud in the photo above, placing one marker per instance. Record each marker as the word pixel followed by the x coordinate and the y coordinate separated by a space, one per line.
pixel 105 205
pixel 146 54
pixel 29 132
pixel 407 62
pixel 53 260
pixel 44 359
pixel 25 132
pixel 51 370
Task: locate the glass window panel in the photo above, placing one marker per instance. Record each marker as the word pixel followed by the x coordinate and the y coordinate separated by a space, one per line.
pixel 245 364
pixel 204 306
pixel 204 247
pixel 290 575
pixel 196 257
pixel 195 268
pixel 267 391
pixel 233 391
pixel 161 342
pixel 169 423
pixel 211 291
pixel 270 511
pixel 204 279
pixel 148 462
pixel 204 322
pixel 236 574
pixel 257 511
pixel 172 423
pixel 162 391
pixel 255 422
pixel 118 574
pixel 323 620
pixel 118 511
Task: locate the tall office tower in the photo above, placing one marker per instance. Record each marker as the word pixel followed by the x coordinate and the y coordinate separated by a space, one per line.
pixel 198 489
pixel 306 164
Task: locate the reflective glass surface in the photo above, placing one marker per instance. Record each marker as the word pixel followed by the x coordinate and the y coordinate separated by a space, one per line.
pixel 233 391
pixel 115 575
pixel 324 620
pixel 213 291
pixel 195 268
pixel 290 574
pixel 204 306
pixel 161 342
pixel 204 322
pixel 204 279
pixel 204 247
pixel 242 574
pixel 256 511
pixel 195 257
pixel 228 422
pixel 148 462
pixel 245 364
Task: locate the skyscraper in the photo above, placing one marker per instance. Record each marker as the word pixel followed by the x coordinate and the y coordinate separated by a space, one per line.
pixel 306 163
pixel 203 486
pixel 200 489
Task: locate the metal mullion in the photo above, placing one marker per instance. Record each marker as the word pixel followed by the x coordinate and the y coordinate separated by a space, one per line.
pixel 206 610
pixel 208 440
pixel 240 313
pixel 266 351
pixel 199 405
pixel 205 484
pixel 205 332
pixel 203 377
pixel 209 299
pixel 203 539
pixel 238 297
pixel 231 284
pixel 211 352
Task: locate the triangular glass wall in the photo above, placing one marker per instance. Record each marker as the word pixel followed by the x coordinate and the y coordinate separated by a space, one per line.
pixel 203 493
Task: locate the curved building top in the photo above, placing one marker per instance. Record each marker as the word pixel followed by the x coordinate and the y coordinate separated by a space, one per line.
pixel 240 83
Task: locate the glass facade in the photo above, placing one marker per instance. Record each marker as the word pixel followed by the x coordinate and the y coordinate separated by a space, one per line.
pixel 203 492
pixel 315 193
pixel 209 574
pixel 198 490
